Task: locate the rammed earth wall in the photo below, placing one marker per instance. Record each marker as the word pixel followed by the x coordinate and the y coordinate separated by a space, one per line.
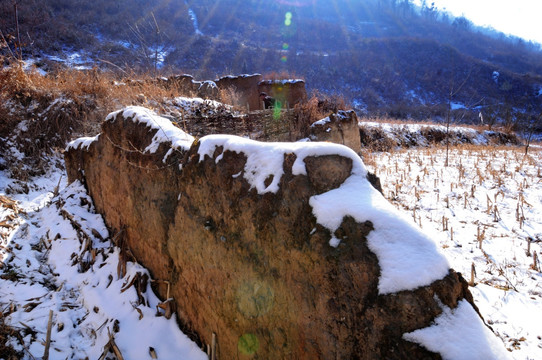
pixel 283 250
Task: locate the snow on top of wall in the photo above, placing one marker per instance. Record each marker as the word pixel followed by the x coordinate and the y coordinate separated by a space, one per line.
pixel 190 104
pixel 283 82
pixel 167 132
pixel 82 142
pixel 321 122
pixel 239 76
pixel 266 159
pixel 408 258
pixel 208 83
pixel 459 334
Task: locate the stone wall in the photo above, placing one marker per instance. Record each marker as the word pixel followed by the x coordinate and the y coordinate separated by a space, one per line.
pixel 246 257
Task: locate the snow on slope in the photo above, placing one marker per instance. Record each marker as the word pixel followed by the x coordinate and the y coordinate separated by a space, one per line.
pixel 44 268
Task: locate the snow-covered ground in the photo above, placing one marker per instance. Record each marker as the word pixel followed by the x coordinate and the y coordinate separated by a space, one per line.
pixel 485 212
pixel 58 258
pixel 416 134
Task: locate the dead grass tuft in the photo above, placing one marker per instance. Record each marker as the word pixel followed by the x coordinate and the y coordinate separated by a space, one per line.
pixel 230 96
pixel 316 108
pixel 42 113
pixel 8 333
pixel 305 115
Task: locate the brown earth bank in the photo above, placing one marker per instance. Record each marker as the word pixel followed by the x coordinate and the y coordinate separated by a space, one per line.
pixel 255 269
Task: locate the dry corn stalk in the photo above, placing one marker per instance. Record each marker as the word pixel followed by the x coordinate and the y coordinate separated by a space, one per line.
pixel 472 274
pixel 4 224
pixel 535 262
pixel 8 203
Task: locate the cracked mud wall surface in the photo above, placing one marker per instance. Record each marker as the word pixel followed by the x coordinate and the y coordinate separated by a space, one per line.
pixel 135 191
pixel 255 268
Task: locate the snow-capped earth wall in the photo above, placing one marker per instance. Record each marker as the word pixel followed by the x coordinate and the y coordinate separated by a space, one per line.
pixel 241 90
pixel 340 128
pixel 281 250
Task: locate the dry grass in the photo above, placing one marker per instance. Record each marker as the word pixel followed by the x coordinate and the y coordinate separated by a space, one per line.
pixel 305 114
pixel 232 97
pixel 42 113
pixel 7 333
pixel 316 108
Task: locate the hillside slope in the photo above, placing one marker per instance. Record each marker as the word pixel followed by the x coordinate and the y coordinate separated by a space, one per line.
pixel 385 57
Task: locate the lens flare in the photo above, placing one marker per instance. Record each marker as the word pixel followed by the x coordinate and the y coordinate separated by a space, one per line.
pixel 288 19
pixel 254 298
pixel 285 46
pixel 276 110
pixel 248 344
pixel 284 58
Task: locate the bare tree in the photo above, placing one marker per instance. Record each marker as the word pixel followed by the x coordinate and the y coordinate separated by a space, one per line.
pixel 530 133
pixel 451 94
pixel 153 43
pixel 18 48
pixel 8 40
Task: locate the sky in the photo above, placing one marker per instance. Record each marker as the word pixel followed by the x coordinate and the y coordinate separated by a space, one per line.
pixel 518 17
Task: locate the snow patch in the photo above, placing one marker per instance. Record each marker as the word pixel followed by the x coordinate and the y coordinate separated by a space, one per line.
pixel 159 54
pixel 495 76
pixel 459 334
pixel 76 60
pixel 82 142
pixel 321 122
pixel 46 254
pixel 404 252
pixel 413 95
pixel 199 106
pixel 194 19
pixel 457 106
